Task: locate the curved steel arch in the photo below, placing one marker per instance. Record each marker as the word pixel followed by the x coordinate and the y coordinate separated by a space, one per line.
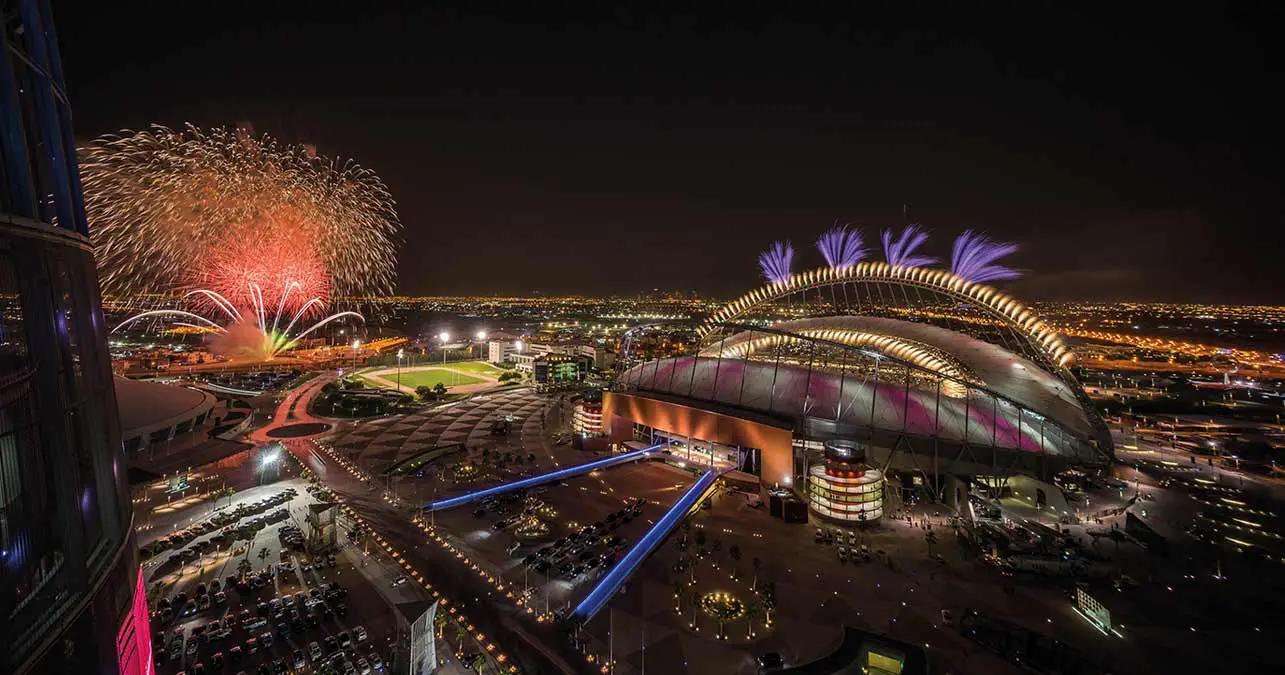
pixel 1002 307
pixel 906 352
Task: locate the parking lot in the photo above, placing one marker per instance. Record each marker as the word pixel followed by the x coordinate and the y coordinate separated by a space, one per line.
pixel 589 525
pixel 251 600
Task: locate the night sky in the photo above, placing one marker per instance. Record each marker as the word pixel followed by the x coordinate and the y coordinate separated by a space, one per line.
pixel 1133 156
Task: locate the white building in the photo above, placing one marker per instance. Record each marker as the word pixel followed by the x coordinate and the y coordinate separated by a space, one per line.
pixel 500 350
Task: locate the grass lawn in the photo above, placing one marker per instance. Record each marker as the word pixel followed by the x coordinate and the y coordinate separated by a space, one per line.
pixel 370 384
pixel 477 367
pixel 430 377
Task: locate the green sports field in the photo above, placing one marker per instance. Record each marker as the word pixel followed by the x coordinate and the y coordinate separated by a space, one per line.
pixel 481 367
pixel 430 377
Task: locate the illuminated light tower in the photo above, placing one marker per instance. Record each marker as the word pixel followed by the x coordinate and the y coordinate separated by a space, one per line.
pixel 400 354
pixel 481 339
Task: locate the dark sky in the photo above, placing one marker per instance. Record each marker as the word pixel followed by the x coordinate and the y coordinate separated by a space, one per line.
pixel 606 150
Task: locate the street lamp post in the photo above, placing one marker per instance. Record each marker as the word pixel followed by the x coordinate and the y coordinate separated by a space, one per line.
pixel 400 353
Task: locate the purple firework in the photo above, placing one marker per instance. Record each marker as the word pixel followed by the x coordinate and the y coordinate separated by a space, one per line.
pixel 776 261
pixel 901 252
pixel 975 254
pixel 841 247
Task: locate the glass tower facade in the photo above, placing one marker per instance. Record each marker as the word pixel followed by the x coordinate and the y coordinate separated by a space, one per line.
pixel 69 573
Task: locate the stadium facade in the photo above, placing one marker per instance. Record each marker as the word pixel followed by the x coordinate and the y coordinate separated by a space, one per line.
pixel 71 594
pixel 930 378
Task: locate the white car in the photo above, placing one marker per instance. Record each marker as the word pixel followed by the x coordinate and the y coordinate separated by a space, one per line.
pixel 399 581
pixel 363 665
pixel 314 651
pixel 360 633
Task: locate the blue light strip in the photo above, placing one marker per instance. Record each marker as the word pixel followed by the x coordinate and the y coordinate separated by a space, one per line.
pixel 539 480
pixel 611 581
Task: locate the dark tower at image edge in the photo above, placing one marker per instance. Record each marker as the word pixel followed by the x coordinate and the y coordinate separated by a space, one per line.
pixel 71 598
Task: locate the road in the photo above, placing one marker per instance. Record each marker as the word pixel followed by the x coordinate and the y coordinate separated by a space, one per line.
pixel 293 409
pixel 536 648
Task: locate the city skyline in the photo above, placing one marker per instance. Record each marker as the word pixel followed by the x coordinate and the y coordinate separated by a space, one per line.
pixel 518 142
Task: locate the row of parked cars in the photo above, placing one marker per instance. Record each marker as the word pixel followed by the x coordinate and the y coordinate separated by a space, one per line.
pixel 222 519
pixel 593 547
pixel 280 618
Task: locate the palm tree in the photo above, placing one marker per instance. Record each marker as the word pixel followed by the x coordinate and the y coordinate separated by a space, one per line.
pixel 734 552
pixel 751 613
pixel 679 587
pixel 243 568
pixel 263 554
pixel 700 543
pixel 768 597
pixel 757 565
pixel 931 538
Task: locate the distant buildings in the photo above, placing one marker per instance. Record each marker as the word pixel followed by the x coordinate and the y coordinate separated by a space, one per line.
pixel 549 364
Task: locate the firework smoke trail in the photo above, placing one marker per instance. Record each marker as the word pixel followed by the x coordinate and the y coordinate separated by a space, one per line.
pixel 901 252
pixel 974 256
pixel 841 247
pixel 775 262
pixel 180 210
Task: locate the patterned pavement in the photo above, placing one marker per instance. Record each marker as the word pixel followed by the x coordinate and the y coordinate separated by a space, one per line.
pixel 383 442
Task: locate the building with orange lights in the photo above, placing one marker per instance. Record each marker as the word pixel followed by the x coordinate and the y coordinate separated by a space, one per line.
pixel 936 380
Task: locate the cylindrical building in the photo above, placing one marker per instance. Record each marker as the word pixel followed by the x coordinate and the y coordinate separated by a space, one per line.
pixel 843 487
pixel 71 598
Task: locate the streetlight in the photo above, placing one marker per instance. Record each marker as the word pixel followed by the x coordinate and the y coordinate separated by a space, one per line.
pixel 400 353
pixel 444 336
pixel 356 344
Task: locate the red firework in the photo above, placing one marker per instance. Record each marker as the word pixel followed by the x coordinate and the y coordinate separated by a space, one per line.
pixel 271 270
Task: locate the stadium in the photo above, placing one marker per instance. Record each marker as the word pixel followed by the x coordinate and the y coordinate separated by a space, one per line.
pixel 827 381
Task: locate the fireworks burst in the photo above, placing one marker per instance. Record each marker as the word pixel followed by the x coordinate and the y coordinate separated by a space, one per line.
pixel 775 263
pixel 841 247
pixel 974 256
pixel 902 251
pixel 237 225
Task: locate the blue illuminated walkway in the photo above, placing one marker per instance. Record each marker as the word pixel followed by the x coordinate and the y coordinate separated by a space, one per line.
pixel 611 581
pixel 550 477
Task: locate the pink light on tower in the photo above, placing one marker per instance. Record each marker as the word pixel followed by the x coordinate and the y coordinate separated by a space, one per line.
pixel 134 640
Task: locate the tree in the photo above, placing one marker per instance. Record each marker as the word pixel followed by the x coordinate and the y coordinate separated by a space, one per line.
pixel 700 542
pixel 425 392
pixel 243 568
pixel 767 595
pixel 439 389
pixel 734 552
pixel 679 587
pixel 751 613
pixel 931 538
pixel 757 565
pixel 439 622
pixel 263 554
